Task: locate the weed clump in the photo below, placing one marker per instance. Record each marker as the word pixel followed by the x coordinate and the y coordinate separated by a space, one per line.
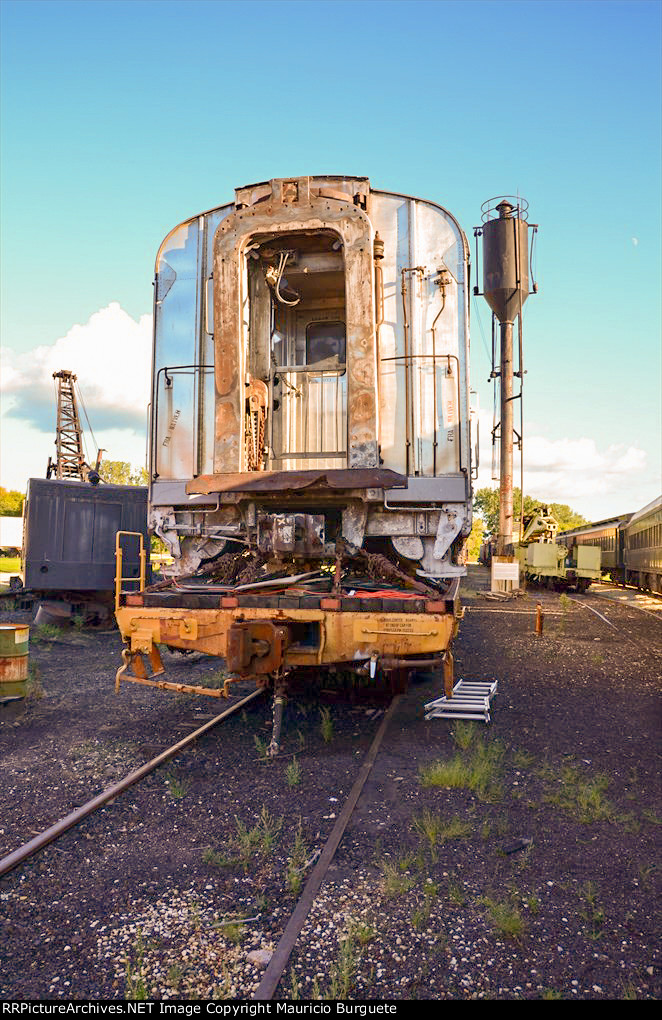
pixel 504 918
pixel 296 862
pixel 479 769
pixel 326 725
pixel 435 830
pixel 581 797
pixel 293 773
pixel 34 689
pixel 394 882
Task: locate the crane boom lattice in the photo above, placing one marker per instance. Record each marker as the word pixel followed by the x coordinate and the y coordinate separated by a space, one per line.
pixel 70 462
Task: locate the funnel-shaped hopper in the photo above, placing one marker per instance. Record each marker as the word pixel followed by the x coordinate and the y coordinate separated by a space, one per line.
pixel 506 262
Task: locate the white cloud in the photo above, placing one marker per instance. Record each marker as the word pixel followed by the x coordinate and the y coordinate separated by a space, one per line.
pixel 110 355
pixel 597 482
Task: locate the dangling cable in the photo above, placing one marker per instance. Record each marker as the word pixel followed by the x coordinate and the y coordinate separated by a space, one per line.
pixel 281 269
pixel 82 404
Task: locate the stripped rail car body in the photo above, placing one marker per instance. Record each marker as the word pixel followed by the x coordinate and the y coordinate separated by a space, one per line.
pixel 310 467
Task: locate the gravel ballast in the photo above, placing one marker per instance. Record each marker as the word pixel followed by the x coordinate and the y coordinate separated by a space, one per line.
pixel 512 860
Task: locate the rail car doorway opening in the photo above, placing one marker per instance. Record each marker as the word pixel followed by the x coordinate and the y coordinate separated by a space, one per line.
pixel 297 350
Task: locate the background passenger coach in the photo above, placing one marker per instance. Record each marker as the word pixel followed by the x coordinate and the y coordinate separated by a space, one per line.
pixel 631 546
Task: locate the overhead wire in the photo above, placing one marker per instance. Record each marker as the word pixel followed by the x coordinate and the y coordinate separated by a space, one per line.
pixel 82 404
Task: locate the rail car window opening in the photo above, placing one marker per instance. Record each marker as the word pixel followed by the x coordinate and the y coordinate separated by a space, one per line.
pixel 297 346
pixel 183 398
pixel 176 344
pixel 325 344
pixel 644 539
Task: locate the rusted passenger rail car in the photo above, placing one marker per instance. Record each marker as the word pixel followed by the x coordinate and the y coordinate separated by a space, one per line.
pixel 310 437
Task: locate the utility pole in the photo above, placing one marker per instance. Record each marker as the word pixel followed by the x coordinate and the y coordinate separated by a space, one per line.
pixel 505 541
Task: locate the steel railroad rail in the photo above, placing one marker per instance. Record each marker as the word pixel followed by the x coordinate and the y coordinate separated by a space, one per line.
pixel 276 967
pixel 634 602
pixel 74 818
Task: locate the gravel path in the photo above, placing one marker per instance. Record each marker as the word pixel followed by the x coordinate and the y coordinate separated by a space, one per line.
pixel 515 860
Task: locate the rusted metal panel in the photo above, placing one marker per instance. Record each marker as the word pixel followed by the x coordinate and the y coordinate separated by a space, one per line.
pixel 287 535
pixel 293 208
pixel 347 636
pixel 276 481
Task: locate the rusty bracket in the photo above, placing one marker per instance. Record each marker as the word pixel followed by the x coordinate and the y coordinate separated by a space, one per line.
pixel 449 673
pixel 135 660
pixel 256 647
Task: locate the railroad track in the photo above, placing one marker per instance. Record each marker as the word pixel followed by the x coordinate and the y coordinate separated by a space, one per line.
pixel 633 597
pixel 17 857
pixel 276 967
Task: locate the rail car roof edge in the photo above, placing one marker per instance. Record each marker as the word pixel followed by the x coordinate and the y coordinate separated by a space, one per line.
pixel 620 519
pixel 337 177
pixel 653 505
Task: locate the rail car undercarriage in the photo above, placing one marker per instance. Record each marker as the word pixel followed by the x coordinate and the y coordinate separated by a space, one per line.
pixel 287 607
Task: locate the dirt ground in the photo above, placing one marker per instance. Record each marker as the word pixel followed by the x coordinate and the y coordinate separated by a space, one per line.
pixel 512 860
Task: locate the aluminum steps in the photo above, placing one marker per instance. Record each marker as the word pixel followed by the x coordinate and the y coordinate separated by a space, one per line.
pixel 471 700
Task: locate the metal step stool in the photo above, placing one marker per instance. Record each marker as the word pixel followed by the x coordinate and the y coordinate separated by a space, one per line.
pixel 471 700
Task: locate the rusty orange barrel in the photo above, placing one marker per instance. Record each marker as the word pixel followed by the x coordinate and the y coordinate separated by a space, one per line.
pixel 13 660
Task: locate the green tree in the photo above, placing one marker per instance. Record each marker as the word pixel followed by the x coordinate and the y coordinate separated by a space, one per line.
pixel 486 503
pixel 567 517
pixel 119 472
pixel 11 502
pixel 475 538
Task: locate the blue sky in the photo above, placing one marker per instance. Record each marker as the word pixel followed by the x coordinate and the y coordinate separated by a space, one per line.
pixel 121 119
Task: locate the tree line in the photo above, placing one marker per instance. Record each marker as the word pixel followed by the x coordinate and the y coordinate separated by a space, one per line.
pixel 114 472
pixel 486 515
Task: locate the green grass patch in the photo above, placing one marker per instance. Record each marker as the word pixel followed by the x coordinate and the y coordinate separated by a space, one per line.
pixel 455 891
pixel 326 725
pixel 135 983
pixel 177 787
pixel 342 973
pixel 296 862
pixel 216 859
pixel 234 932
pixel 581 797
pixel 34 689
pixel 293 773
pixel 394 882
pixel 504 918
pixel 435 830
pixel 464 734
pixel 478 769
pixel 45 632
pixel 591 911
pixel 361 931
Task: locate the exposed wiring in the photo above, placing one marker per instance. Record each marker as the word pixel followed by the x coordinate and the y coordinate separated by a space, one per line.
pixel 284 255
